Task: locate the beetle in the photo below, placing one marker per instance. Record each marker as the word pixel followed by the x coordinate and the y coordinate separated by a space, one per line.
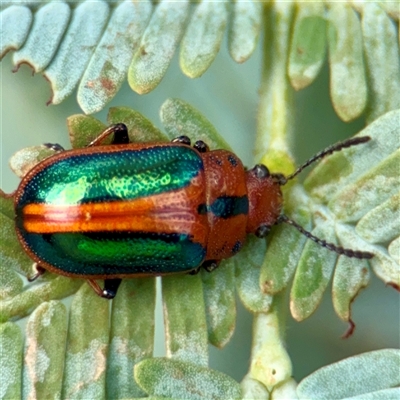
pixel 146 209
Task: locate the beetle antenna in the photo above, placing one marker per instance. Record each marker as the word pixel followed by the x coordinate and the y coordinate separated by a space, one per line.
pixel 282 180
pixel 330 246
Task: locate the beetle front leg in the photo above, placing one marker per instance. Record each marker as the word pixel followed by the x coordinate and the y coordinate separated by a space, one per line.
pixel 110 287
pixel 120 132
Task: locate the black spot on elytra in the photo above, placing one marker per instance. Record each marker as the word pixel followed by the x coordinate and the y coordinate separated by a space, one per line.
pixel 232 160
pixel 236 247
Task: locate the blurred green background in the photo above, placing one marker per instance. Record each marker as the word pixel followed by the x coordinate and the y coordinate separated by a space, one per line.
pixel 227 95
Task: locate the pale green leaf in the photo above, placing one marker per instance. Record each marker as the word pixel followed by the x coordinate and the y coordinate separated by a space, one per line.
pixel 128 344
pixel 381 49
pixel 180 118
pixel 107 68
pixel 203 37
pixel 44 37
pixel 185 319
pixel 219 299
pixel 46 335
pixel 380 225
pixel 83 33
pixel 313 273
pixel 180 380
pixel 25 159
pixel 83 129
pixel 11 343
pixel 244 29
pixel 308 46
pixel 285 246
pixel 394 249
pixel 358 375
pixel 350 277
pixel 87 346
pixel 158 45
pixel 347 72
pixel 248 263
pixel 140 129
pixel 15 22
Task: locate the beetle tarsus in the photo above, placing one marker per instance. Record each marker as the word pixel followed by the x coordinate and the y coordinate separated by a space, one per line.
pixel 54 146
pixel 110 287
pixel 194 271
pixel 201 146
pixel 39 272
pixel 182 139
pixel 210 265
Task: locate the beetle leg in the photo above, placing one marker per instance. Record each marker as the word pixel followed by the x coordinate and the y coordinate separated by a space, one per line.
pixel 120 132
pixel 39 271
pixel 210 265
pixel 195 271
pixel 54 146
pixel 110 287
pixel 201 147
pixel 181 139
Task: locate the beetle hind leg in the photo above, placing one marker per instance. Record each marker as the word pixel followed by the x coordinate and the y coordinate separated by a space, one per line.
pixel 110 287
pixel 39 272
pixel 210 265
pixel 120 132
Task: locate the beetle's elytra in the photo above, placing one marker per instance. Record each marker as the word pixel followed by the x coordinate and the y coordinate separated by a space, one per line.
pixel 130 210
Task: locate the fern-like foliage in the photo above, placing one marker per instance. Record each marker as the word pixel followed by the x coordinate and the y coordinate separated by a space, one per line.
pixel 103 347
pixel 96 45
pixel 92 350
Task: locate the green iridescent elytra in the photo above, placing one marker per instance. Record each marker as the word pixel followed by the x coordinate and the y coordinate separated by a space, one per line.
pixel 82 214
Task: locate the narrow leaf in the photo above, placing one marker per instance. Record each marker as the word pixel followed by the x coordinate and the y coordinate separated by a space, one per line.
pixel 83 129
pixel 158 45
pixel 140 129
pixel 46 335
pixel 180 380
pixel 285 246
pixel 10 283
pixel 369 191
pixel 381 49
pixel 244 29
pixel 253 389
pixel 353 376
pixel 378 225
pixel 25 159
pixel 185 320
pixel 12 255
pixel 313 273
pixel 307 49
pixel 22 305
pixel 248 265
pixel 344 167
pixel 347 73
pixel 219 298
pixel 394 250
pixel 14 27
pixel 44 37
pixel 108 66
pixel 180 118
pixel 203 37
pixel 132 315
pixel 83 33
pixel 351 276
pixel 383 265
pixel 87 344
pixel 11 343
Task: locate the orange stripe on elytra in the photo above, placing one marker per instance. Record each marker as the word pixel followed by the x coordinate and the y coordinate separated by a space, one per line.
pixel 168 212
